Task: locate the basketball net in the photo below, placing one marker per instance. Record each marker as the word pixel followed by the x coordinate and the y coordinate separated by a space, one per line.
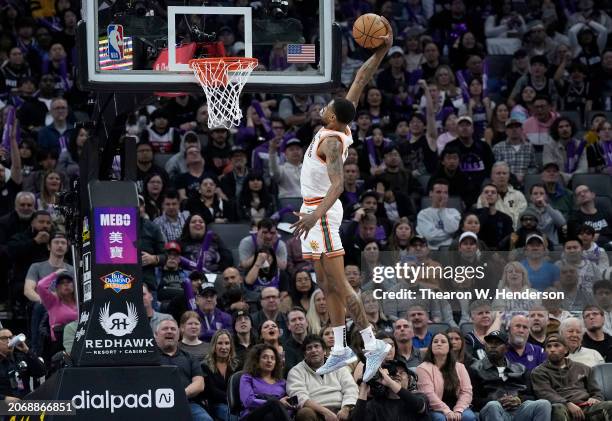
pixel 222 79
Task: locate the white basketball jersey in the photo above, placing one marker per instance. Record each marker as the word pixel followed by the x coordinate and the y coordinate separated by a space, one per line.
pixel 314 178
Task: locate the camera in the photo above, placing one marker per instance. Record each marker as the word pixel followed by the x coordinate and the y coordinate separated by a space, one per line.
pixel 278 9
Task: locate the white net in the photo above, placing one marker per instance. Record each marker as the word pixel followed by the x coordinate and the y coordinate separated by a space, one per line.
pixel 222 80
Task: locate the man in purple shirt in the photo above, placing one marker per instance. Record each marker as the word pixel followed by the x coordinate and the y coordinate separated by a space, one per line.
pixel 519 349
pixel 213 319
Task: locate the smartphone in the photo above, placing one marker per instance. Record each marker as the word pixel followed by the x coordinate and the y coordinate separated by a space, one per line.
pixel 293 400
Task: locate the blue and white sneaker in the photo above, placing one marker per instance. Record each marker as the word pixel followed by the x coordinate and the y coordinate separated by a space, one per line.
pixel 374 359
pixel 337 360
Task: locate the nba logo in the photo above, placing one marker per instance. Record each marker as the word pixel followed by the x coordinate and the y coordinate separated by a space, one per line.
pixel 115 42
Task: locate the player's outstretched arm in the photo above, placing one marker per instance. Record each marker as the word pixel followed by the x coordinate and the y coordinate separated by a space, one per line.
pixel 367 69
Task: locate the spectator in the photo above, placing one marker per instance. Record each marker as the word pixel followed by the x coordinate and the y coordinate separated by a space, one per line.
pixel 567 151
pixel 220 364
pixel 172 220
pixel 14 383
pixel 300 290
pixel 568 384
pixel 153 194
pixel 515 279
pixel 418 316
pixel 60 304
pixel 599 153
pixel 211 203
pixel 398 398
pixel 590 250
pixel 188 183
pixel 265 272
pixel 572 332
pixel 266 236
pixel 450 171
pixel 213 318
pixel 317 314
pixel 515 150
pixel 391 355
pixel 333 394
pixel 297 325
pixel 594 335
pixel 502 389
pixel 255 202
pixel 537 127
pixel 233 285
pixel 528 223
pixel 177 164
pixel 438 223
pixel 55 135
pixel 493 223
pixel 145 165
pixel 217 152
pixel 244 335
pixel 509 201
pixel 588 272
pixel 457 346
pixel 406 351
pixel 519 349
pixel 262 387
pixel 538 325
pixel 153 316
pixel 575 298
pixel 551 221
pixel 536 78
pixel 588 213
pixel 190 372
pixel 287 175
pixel 523 109
pixel 602 290
pixel 484 322
pixel 18 219
pixel 232 182
pixel 445 382
pixel 162 137
pixel 190 328
pixel 560 197
pixel 202 247
pixel 270 301
pixel 68 162
pixel 353 276
pixel 376 317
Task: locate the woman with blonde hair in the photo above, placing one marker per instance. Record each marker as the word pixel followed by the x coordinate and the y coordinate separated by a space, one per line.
pixel 317 314
pixel 219 364
pixel 374 313
pixel 445 79
pixel 515 279
pixel 191 326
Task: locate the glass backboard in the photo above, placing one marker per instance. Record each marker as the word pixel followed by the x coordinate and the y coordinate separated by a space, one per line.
pixel 140 45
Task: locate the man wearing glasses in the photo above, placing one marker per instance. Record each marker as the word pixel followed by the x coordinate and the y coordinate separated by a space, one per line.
pixel 598 218
pixel 17 365
pixel 55 136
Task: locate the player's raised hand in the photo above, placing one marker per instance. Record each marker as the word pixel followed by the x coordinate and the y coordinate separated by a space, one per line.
pixel 304 225
pixel 389 37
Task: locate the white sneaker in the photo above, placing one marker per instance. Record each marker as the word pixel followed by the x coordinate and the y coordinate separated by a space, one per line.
pixel 374 359
pixel 337 360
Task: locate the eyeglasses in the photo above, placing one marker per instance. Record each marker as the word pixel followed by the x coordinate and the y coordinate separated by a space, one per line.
pixel 5 338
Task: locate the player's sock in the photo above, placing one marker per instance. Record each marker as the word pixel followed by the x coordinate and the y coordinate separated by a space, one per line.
pixel 339 338
pixel 369 341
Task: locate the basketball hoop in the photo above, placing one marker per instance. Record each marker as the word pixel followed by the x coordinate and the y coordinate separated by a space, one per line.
pixel 222 79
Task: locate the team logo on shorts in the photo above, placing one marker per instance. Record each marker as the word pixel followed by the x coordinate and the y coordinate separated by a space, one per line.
pixel 314 245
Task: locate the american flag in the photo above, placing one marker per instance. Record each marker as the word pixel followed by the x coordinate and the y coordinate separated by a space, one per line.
pixel 301 53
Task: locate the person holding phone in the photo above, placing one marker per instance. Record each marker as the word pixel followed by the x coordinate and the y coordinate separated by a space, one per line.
pixel 262 387
pixel 331 396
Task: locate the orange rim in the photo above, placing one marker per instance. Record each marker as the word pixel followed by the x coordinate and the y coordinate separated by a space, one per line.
pixel 229 64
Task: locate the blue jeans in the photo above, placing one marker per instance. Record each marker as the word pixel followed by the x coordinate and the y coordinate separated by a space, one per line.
pixel 221 412
pixel 198 413
pixel 539 410
pixel 467 415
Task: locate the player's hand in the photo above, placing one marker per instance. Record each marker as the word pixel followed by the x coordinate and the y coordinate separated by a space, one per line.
pixel 305 224
pixel 388 38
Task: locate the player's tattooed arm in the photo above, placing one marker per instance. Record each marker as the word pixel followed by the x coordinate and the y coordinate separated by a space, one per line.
pixel 332 150
pixel 367 69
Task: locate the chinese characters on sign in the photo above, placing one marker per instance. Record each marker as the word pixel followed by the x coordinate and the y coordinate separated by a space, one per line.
pixel 115 235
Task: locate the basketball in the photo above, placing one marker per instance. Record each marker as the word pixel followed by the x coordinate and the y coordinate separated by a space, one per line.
pixel 367 28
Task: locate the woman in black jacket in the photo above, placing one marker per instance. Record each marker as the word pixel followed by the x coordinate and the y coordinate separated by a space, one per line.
pixel 219 365
pixel 203 248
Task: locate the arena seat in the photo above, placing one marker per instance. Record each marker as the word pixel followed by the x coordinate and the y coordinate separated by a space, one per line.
pixel 590 115
pixel 600 184
pixel 603 376
pixel 296 203
pixel 423 181
pixel 530 180
pixel 231 234
pixel 466 328
pixel 437 327
pixel 603 203
pixel 160 159
pixel 575 116
pixel 233 393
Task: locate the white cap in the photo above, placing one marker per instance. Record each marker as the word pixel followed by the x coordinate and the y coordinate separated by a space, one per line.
pixel 394 50
pixel 468 234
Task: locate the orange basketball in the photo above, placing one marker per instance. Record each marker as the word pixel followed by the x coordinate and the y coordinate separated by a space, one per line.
pixel 367 28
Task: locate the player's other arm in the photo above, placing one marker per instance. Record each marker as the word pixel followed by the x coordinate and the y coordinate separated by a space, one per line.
pixel 367 69
pixel 332 149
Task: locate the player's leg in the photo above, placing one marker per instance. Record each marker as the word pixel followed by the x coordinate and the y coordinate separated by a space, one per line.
pixel 343 298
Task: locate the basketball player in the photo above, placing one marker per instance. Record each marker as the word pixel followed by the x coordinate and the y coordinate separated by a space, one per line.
pixel 321 214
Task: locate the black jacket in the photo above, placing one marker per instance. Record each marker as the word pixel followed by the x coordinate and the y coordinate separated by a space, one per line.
pixel 8 368
pixel 406 408
pixel 488 386
pixel 23 251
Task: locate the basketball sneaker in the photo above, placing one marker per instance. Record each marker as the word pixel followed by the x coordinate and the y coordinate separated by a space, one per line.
pixel 337 360
pixel 374 359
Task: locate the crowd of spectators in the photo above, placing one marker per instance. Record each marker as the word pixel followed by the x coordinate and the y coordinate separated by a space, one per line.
pixel 487 130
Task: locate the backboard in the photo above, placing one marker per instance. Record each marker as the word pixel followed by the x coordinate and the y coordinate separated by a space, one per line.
pixel 145 45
